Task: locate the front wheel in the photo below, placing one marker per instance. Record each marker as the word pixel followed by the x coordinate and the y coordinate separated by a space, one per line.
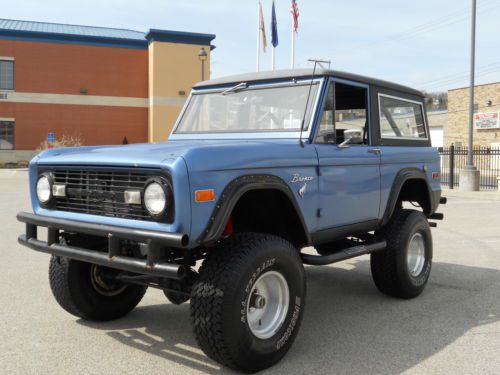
pixel 403 268
pixel 248 301
pixel 91 292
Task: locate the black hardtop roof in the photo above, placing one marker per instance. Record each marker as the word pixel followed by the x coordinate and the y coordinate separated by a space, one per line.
pixel 304 73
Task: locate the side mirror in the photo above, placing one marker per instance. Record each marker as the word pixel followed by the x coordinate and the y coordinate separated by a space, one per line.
pixel 355 136
pixel 352 136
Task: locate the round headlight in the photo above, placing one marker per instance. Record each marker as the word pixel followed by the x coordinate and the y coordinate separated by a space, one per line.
pixel 155 199
pixel 43 189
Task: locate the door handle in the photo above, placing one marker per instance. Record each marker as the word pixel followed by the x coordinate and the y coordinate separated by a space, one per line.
pixel 375 151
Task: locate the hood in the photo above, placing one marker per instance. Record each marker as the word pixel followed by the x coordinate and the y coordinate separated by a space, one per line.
pixel 199 155
pixel 143 154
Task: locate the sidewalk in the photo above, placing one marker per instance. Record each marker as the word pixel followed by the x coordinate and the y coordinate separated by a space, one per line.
pixel 487 195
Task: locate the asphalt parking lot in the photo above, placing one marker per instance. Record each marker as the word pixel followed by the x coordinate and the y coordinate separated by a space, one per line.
pixel 349 327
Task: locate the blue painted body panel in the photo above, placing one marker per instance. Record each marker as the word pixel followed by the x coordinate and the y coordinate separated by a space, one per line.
pixel 349 185
pixel 71 156
pixel 342 185
pixel 194 165
pixel 393 159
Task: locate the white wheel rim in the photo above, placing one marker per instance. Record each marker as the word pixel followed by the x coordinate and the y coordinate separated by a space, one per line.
pixel 267 304
pixel 416 254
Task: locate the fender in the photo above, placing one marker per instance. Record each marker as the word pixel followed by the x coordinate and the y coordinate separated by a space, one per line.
pixel 233 192
pixel 403 176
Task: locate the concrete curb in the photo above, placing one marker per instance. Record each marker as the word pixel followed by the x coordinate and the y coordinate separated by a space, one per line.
pixel 13 173
pixel 476 195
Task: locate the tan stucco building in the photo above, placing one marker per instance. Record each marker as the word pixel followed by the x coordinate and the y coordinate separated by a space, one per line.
pixel 486 116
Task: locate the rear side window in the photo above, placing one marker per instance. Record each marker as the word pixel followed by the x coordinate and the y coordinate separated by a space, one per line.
pixel 401 119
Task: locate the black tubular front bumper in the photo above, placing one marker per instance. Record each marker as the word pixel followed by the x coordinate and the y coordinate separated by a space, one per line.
pixel 155 241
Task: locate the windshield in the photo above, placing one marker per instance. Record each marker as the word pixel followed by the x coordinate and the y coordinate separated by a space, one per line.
pixel 252 109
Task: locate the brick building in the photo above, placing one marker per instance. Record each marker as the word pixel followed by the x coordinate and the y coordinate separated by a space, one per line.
pixel 99 84
pixel 486 116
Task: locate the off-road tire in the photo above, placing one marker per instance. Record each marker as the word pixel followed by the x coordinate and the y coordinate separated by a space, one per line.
pixel 219 295
pixel 389 267
pixel 70 281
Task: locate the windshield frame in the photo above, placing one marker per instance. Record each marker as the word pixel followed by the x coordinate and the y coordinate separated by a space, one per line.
pixel 253 135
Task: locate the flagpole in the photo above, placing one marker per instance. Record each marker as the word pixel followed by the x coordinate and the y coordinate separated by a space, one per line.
pixel 294 10
pixel 258 36
pixel 274 58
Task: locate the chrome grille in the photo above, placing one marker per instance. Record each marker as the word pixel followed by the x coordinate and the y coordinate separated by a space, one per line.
pixel 100 192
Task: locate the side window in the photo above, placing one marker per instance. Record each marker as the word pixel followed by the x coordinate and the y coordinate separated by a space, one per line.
pixel 344 115
pixel 400 118
pixel 326 132
pixel 6 75
pixel 351 119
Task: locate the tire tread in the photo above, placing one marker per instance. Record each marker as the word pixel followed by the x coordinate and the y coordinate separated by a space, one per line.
pixel 66 291
pixel 384 264
pixel 219 269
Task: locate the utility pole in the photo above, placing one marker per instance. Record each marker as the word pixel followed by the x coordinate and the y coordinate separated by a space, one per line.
pixel 470 161
pixel 469 176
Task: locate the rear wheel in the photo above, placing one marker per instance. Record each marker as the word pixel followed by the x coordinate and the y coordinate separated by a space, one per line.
pixel 403 268
pixel 91 292
pixel 248 301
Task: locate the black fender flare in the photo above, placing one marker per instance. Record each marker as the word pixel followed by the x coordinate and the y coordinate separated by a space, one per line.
pixel 403 176
pixel 233 192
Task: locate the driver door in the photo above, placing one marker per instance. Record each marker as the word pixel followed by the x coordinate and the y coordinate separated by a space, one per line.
pixel 349 181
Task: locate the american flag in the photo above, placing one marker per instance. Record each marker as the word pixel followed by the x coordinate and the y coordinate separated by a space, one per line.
pixel 295 15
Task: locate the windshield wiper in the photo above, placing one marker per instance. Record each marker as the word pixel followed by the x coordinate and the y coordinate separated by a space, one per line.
pixel 239 86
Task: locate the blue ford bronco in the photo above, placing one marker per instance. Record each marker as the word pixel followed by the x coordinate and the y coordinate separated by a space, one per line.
pixel 257 168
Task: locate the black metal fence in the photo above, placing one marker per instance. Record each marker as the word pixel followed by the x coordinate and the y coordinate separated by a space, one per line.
pixel 486 159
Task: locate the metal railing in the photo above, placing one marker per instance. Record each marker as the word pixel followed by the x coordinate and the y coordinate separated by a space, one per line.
pixel 486 159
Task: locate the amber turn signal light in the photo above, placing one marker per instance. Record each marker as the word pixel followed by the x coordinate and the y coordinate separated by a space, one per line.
pixel 204 195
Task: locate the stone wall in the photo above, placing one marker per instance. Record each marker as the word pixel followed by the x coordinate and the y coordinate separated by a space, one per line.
pixel 456 130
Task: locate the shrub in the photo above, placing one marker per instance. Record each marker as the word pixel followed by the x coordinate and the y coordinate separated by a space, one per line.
pixel 64 141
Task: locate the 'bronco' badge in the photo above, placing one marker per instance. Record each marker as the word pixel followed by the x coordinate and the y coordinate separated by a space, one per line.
pixel 298 178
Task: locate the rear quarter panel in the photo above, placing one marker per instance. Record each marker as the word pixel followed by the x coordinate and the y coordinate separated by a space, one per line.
pixel 394 159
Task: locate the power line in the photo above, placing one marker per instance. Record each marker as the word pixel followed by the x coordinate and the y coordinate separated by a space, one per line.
pixel 433 25
pixel 445 21
pixel 463 110
pixel 457 75
pixel 463 78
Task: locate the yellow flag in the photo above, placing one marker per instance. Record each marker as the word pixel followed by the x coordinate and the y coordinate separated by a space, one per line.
pixel 262 27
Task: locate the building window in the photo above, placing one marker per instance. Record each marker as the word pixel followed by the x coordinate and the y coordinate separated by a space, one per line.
pixel 401 118
pixel 7 135
pixel 6 75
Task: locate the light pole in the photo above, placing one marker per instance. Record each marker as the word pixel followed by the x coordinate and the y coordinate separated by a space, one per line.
pixel 469 176
pixel 202 55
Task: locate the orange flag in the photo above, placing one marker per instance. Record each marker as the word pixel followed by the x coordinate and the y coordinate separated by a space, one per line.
pixel 262 27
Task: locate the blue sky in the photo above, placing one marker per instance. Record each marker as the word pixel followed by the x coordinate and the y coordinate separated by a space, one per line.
pixel 424 44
